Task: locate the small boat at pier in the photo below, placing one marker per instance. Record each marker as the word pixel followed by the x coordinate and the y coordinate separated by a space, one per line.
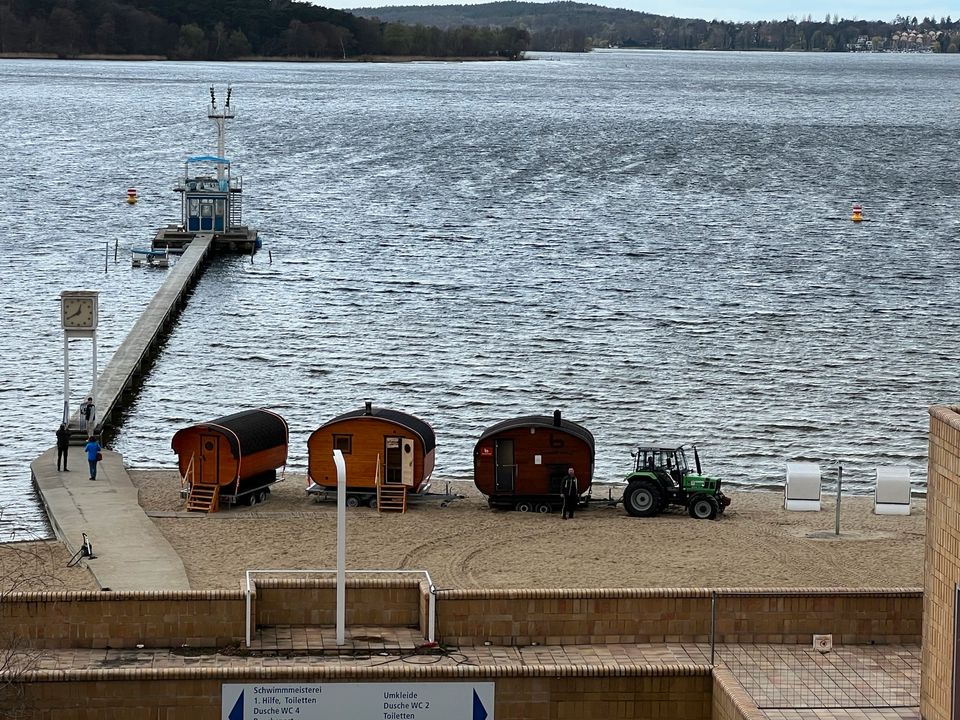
pixel 148 257
pixel 211 197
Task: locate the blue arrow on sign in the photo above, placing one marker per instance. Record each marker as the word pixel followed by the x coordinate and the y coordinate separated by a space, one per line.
pixel 479 711
pixel 237 712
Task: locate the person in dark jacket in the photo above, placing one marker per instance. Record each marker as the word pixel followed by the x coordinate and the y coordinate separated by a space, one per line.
pixel 63 445
pixel 571 493
pixel 88 415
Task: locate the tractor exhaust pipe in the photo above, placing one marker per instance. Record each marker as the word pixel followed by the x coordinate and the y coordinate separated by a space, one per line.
pixel 696 459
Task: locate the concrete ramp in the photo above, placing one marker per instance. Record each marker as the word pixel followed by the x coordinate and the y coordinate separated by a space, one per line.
pixel 131 553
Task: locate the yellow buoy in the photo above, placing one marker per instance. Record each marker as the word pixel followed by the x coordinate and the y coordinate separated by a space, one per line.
pixel 857 215
pixel 132 196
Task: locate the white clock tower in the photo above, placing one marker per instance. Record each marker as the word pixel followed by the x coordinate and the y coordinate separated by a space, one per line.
pixel 79 315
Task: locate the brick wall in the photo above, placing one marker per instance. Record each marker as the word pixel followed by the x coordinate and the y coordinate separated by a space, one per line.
pixel 501 617
pixel 941 563
pixel 730 700
pixel 369 601
pixel 95 619
pixel 788 615
pixel 538 693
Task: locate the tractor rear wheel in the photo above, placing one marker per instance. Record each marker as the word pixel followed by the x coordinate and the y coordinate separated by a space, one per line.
pixel 704 507
pixel 643 499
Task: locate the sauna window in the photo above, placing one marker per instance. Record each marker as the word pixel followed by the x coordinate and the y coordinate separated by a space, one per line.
pixel 206 210
pixel 343 443
pixel 195 207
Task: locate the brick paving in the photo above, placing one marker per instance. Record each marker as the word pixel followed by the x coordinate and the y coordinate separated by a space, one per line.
pixel 787 682
pixel 794 682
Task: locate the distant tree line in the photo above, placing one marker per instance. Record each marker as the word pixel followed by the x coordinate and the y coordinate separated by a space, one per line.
pixel 833 34
pixel 230 29
pixel 576 27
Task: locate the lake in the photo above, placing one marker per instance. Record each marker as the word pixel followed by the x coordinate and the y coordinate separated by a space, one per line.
pixel 656 243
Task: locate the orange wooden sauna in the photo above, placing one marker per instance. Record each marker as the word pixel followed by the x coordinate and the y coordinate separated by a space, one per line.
pixel 231 459
pixel 387 447
pixel 519 464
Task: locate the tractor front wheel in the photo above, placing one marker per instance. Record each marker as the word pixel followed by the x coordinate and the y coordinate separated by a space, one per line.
pixel 704 507
pixel 643 499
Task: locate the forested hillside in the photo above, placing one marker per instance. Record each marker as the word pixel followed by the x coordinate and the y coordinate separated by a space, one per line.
pixel 574 26
pixel 230 29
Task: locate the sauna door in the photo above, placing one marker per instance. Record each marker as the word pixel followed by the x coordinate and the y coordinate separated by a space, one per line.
pixel 506 468
pixel 393 460
pixel 406 460
pixel 209 471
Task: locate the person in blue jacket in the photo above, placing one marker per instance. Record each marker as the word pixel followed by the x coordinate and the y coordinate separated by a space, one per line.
pixel 93 449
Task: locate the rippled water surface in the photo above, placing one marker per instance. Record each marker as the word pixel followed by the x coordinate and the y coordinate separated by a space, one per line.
pixel 655 243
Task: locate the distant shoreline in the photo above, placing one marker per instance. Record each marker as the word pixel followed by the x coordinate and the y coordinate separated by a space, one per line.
pixel 258 58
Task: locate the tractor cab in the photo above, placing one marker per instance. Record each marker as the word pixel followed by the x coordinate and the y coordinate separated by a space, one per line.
pixel 670 463
pixel 662 476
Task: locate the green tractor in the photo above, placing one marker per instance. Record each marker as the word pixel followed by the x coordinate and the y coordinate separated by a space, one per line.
pixel 662 477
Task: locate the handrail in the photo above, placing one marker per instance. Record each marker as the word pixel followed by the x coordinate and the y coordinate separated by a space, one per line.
pixel 188 473
pixel 431 611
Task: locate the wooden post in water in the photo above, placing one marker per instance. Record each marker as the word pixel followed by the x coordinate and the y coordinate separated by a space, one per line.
pixel 116 246
pixel 106 256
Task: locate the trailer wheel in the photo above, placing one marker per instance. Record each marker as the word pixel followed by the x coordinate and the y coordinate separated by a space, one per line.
pixel 524 507
pixel 353 501
pixel 372 502
pixel 252 499
pixel 544 508
pixel 643 499
pixel 704 507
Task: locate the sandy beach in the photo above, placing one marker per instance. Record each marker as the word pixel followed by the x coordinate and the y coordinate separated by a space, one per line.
pixel 756 543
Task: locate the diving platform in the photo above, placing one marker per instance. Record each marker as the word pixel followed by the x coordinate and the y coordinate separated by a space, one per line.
pixel 211 196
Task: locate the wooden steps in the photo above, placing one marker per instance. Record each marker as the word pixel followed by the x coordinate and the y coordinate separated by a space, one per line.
pixel 392 498
pixel 204 498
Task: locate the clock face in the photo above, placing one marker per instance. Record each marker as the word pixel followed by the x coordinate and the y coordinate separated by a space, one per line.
pixel 77 312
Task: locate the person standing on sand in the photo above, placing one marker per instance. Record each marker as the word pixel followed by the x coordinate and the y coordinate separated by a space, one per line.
pixel 570 492
pixel 63 445
pixel 93 449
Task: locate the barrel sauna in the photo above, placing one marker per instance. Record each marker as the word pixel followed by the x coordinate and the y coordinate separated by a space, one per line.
pixel 237 455
pixel 519 464
pixel 391 446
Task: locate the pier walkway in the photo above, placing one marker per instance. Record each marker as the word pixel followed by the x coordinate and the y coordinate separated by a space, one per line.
pixel 131 554
pixel 127 364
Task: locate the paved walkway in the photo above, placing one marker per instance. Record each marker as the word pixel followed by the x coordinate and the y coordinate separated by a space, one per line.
pixel 131 554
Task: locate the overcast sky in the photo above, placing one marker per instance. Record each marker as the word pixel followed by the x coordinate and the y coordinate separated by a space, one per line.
pixel 735 10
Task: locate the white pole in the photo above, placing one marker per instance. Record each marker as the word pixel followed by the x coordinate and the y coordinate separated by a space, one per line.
pixel 94 383
pixel 247 594
pixel 341 544
pixel 66 378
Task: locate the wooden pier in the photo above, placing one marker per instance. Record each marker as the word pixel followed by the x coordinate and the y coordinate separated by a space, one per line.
pixel 128 363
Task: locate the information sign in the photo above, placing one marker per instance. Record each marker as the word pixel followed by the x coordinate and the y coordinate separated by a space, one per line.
pixel 358 701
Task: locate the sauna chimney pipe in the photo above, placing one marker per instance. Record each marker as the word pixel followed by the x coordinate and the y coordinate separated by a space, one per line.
pixel 556 418
pixel 368 408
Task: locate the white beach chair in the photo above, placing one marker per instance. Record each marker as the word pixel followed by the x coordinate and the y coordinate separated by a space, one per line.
pixel 892 495
pixel 802 490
